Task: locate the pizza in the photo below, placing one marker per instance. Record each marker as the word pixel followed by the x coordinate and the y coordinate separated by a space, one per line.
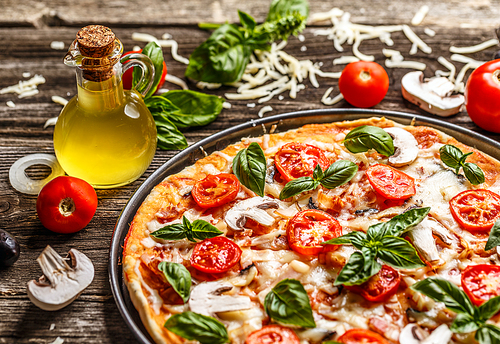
pixel 364 231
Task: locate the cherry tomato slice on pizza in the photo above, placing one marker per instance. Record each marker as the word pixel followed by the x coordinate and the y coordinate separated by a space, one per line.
pixel 360 336
pixel 309 228
pixel 215 255
pixel 274 334
pixel 481 282
pixel 476 210
pixel 216 190
pixel 380 286
pixel 391 183
pixel 296 160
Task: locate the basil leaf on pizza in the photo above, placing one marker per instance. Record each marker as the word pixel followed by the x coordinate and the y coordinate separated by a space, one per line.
pixel 288 303
pixel 178 277
pixel 198 230
pixel 366 137
pixel 473 173
pixel 170 232
pixel 453 157
pixel 249 166
pixel 488 334
pixel 464 323
pixel 204 230
pixel 194 326
pixel 360 267
pixel 399 224
pixel 489 308
pixel 297 186
pixel 399 253
pixel 494 237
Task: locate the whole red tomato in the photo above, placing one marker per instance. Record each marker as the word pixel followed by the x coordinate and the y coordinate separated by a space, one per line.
pixel 66 204
pixel 127 76
pixel 364 84
pixel 482 96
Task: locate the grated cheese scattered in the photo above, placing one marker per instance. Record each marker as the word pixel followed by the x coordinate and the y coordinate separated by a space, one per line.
pixel 59 100
pixel 52 327
pixel 420 15
pixel 207 85
pixel 226 105
pixel 303 48
pixel 56 45
pixel 301 38
pixel 176 81
pixel 26 74
pixel 136 48
pixel 450 66
pixel 466 59
pixel 264 110
pixel 166 43
pixel 429 32
pixel 474 48
pixel 405 64
pixel 412 36
pixel 330 101
pixel 28 93
pixel 25 88
pixel 251 105
pixel 10 104
pixel 58 340
pixel 345 60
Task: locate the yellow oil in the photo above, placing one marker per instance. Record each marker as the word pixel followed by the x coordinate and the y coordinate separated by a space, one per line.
pixel 106 137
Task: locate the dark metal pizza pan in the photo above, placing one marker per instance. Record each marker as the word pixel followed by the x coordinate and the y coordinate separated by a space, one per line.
pixel 226 137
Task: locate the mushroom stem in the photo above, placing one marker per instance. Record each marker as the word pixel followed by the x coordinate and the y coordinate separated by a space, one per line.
pixel 53 265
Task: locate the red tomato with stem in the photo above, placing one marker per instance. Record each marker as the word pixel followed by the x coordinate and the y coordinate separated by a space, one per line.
pixel 66 204
pixel 482 96
pixel 380 286
pixel 364 84
pixel 360 336
pixel 274 334
pixel 215 255
pixel 128 75
pixel 309 228
pixel 390 183
pixel 481 282
pixel 296 160
pixel 476 210
pixel 216 190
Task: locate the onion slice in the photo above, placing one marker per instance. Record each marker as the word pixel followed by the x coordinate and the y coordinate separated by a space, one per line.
pixel 22 183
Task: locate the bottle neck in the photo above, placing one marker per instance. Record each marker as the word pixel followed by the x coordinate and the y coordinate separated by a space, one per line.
pixel 102 95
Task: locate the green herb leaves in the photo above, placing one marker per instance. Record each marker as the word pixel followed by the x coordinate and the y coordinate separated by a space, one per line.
pixel 178 277
pixel 154 52
pixel 198 230
pixel 338 173
pixel 494 238
pixel 366 137
pixel 249 166
pixel 453 157
pixel 194 326
pixel 469 317
pixel 381 241
pixel 288 303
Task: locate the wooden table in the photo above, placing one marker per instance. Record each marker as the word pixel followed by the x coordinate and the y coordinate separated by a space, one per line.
pixel 26 30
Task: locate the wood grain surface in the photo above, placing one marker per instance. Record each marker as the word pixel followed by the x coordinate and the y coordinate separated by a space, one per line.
pixel 26 30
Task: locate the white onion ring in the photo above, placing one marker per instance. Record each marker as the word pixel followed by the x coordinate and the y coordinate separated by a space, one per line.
pixel 22 183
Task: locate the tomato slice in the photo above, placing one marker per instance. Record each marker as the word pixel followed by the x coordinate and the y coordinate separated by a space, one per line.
pixel 481 282
pixel 273 334
pixel 360 336
pixel 309 228
pixel 216 190
pixel 215 255
pixel 476 210
pixel 380 286
pixel 391 183
pixel 296 160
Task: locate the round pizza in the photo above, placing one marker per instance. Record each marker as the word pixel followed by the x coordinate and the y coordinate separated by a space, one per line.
pixel 363 231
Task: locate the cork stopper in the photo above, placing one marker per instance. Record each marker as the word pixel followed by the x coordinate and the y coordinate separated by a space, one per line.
pixel 95 41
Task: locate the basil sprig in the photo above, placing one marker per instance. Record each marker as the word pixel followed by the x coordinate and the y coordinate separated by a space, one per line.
pixel 494 237
pixel 453 157
pixel 381 241
pixel 249 166
pixel 194 326
pixel 337 174
pixel 198 230
pixel 469 317
pixel 155 54
pixel 288 303
pixel 366 137
pixel 178 277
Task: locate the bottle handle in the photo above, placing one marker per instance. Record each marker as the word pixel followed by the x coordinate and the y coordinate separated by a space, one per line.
pixel 147 70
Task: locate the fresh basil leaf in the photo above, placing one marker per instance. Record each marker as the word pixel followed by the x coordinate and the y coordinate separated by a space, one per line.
pixel 178 277
pixel 288 303
pixel 398 225
pixel 282 8
pixel 222 58
pixel 464 323
pixel 297 186
pixel 464 157
pixel 203 230
pixel 339 173
pixel 450 156
pixel 188 229
pixel 249 166
pixel 444 291
pixel 318 173
pixel 247 21
pixel 473 173
pixel 193 326
pixel 160 104
pixel 168 136
pixel 360 267
pixel 154 52
pixel 488 334
pixel 399 253
pixel 494 238
pixel 355 238
pixel 489 308
pixel 366 137
pixel 170 232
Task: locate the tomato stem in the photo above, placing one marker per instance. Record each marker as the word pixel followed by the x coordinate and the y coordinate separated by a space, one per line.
pixel 365 75
pixel 67 206
pixel 496 76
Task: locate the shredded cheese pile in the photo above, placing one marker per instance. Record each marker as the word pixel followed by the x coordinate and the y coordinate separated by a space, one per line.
pixel 25 88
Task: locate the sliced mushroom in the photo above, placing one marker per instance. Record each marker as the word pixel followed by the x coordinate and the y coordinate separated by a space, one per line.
pixel 405 147
pixel 252 208
pixel 411 334
pixel 207 299
pixel 440 335
pixel 432 95
pixel 423 240
pixel 60 283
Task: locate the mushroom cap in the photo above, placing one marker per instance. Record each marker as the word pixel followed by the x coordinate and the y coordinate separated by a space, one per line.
pixel 405 145
pixel 251 208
